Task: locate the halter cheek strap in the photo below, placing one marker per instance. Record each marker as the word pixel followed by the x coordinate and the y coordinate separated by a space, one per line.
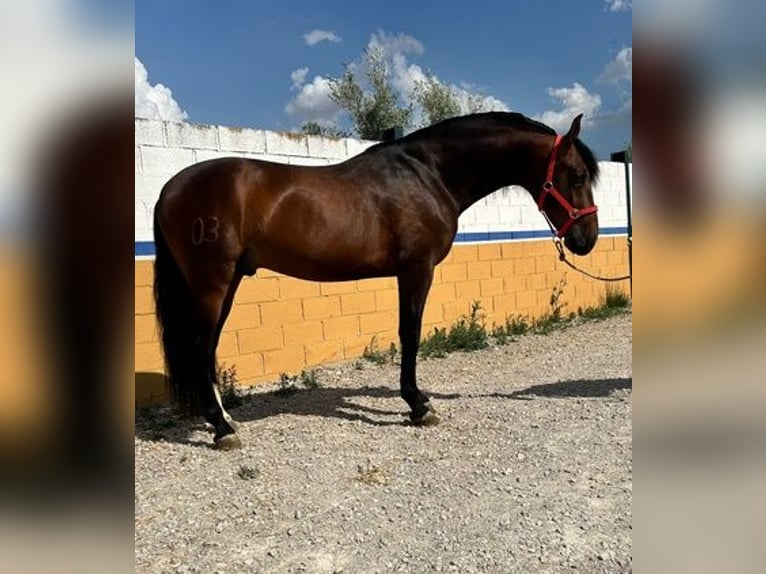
pixel 550 189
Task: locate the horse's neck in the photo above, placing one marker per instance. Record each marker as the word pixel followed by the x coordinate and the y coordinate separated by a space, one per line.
pixel 481 168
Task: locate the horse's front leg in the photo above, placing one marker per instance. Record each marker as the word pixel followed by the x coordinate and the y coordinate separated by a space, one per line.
pixel 414 284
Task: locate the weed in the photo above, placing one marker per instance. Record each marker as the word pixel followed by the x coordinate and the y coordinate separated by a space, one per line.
pixel 231 394
pixel 508 331
pixel 287 385
pixel 436 344
pixel 614 302
pixel 467 334
pixel 292 384
pixel 375 355
pixel 309 379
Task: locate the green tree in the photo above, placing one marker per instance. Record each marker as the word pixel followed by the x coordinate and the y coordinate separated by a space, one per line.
pixel 437 101
pixel 375 110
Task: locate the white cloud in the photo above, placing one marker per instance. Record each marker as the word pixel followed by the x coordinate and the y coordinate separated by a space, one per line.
pixel 155 101
pixel 574 100
pixel 299 78
pixel 618 5
pixel 315 36
pixel 313 103
pixel 619 70
pixel 392 45
pixel 405 75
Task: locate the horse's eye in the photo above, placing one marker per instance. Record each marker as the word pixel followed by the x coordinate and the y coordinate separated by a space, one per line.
pixel 580 178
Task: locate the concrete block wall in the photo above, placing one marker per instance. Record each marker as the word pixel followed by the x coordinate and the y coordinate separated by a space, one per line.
pixel 502 258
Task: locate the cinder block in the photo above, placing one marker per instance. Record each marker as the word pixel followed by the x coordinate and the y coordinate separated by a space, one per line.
pixel 356 303
pixel 193 136
pixel 355 147
pixel 544 264
pixel 433 313
pixel 206 154
pixel 386 321
pixel 243 316
pixel 144 303
pixel 489 251
pixel 321 307
pixel 144 273
pixel 150 132
pixel 452 272
pixel 505 305
pixel 524 266
pixel 241 140
pixel 387 300
pixel 227 346
pixel 148 357
pixel 324 352
pixel 256 290
pixel 537 281
pixel 378 284
pixel 487 214
pixel 478 270
pixel 441 293
pixel 259 339
pixel 158 160
pixel 305 333
pixel 464 253
pixel 490 287
pixel 285 143
pixel 324 147
pixel 288 360
pixel 515 283
pixel 290 288
pixel 281 312
pixel 249 367
pixel 467 290
pixel 340 328
pixel 145 328
pixel 309 161
pixel 503 268
pixel 511 250
pixel 337 287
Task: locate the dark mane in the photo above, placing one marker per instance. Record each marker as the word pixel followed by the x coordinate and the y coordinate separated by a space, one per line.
pixel 486 120
pixel 462 125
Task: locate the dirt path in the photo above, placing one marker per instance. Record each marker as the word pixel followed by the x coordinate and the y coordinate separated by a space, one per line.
pixel 530 470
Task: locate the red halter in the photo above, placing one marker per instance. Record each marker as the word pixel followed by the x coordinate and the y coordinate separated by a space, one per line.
pixel 550 189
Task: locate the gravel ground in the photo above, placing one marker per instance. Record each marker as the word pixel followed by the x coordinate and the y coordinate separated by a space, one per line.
pixel 529 471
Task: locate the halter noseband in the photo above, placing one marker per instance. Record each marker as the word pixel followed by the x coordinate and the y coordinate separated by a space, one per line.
pixel 550 189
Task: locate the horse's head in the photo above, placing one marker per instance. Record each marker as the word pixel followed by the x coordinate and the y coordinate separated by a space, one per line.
pixel 566 197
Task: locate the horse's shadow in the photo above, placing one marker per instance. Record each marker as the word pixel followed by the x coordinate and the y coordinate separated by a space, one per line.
pixel 583 388
pixel 347 404
pixel 325 402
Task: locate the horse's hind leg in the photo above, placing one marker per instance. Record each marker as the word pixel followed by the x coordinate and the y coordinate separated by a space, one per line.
pixel 414 284
pixel 212 362
pixel 211 307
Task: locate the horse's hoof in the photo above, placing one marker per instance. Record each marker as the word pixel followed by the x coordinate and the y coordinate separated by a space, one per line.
pixel 228 442
pixel 429 419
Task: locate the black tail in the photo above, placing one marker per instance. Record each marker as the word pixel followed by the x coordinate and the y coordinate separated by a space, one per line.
pixel 180 328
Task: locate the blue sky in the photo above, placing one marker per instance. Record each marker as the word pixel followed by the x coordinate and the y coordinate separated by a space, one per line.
pixel 256 63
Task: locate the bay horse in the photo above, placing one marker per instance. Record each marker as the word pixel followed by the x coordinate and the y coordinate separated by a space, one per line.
pixel 391 211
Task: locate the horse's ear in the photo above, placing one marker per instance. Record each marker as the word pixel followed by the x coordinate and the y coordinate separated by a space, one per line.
pixel 574 129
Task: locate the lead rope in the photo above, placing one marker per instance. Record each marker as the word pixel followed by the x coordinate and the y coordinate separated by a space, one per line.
pixel 562 256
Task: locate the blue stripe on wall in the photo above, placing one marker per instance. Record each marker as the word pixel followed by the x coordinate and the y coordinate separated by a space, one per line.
pixel 146 248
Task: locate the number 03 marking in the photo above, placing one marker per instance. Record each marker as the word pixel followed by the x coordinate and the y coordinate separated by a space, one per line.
pixel 205 230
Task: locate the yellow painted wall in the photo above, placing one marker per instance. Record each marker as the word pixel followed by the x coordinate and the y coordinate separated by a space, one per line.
pixel 280 324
